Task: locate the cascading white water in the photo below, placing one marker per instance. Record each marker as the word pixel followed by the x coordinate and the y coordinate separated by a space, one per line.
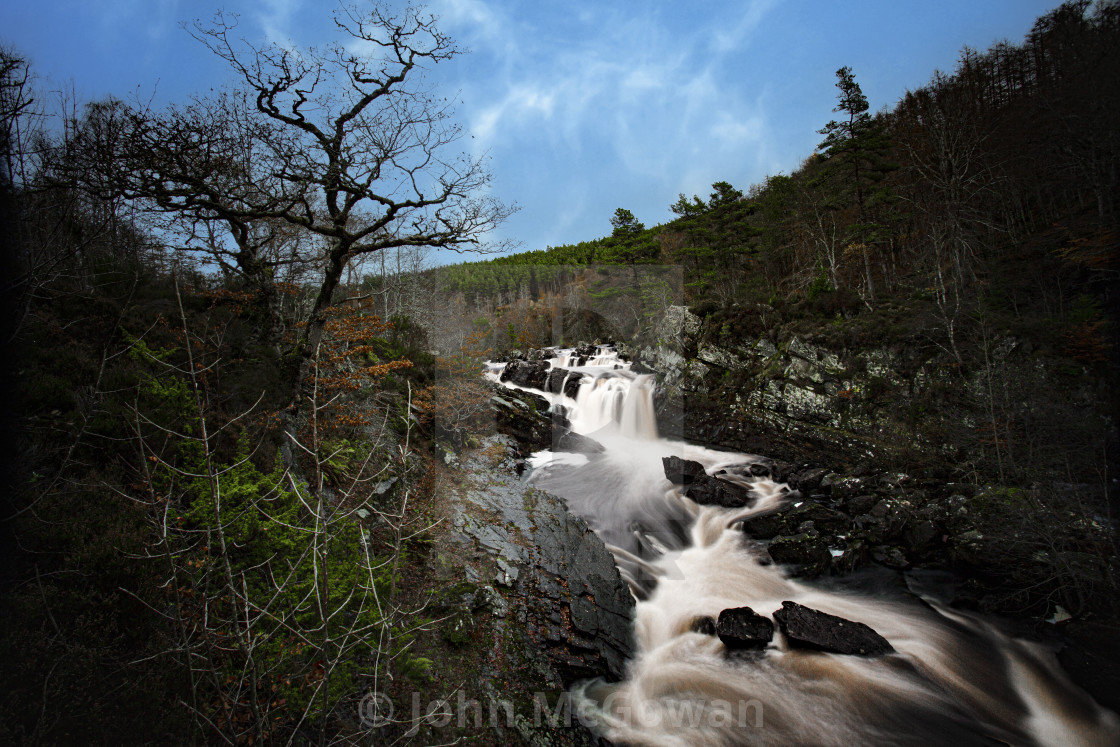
pixel 954 679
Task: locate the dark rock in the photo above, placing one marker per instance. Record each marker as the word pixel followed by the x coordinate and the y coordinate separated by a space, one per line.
pixel 1091 656
pixel 572 385
pixel 808 628
pixel 742 627
pixel 564 439
pixel 526 373
pixel 681 471
pixel 824 518
pixel 891 557
pixel 780 471
pixel 809 553
pixel 560 416
pixel 847 487
pixel 888 519
pixel 712 491
pixel 554 380
pixel 860 504
pixel 524 417
pixel 807 479
pixel 974 548
pixel 920 537
pixel 790 517
pixel 760 469
pixel 855 556
pixel 704 625
pixel 766 526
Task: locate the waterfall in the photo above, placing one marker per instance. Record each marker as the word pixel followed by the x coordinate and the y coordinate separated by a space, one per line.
pixel 618 401
pixel 953 678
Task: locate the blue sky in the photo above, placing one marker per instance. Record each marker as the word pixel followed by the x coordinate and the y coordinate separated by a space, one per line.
pixel 582 107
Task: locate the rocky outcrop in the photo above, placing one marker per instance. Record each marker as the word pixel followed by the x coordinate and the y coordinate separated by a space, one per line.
pixel 530 374
pixel 559 380
pixel 681 471
pixel 534 424
pixel 804 627
pixel 712 491
pixel 807 553
pixel 524 417
pixel 564 590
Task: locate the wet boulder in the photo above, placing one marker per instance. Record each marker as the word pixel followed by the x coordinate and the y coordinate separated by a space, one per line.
pixel 920 537
pixel 531 374
pixel 860 504
pixel 781 471
pixel 806 479
pixel 554 379
pixel 564 439
pixel 742 627
pixel 767 525
pixel 712 491
pixel 760 469
pixel 524 417
pixel 844 487
pixel 891 557
pixel 852 555
pixel 704 625
pixel 808 553
pixel 572 385
pixel 886 520
pixel 805 627
pixel 790 517
pixel 681 471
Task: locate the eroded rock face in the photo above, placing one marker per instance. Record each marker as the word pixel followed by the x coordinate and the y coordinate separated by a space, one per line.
pixel 805 627
pixel 524 417
pixel 528 420
pixel 564 590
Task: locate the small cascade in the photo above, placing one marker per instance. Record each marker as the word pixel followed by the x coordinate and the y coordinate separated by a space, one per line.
pixel 618 403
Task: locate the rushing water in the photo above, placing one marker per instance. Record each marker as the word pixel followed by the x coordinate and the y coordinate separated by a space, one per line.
pixel 953 678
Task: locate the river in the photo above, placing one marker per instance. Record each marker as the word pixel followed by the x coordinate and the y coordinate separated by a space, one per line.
pixel 953 678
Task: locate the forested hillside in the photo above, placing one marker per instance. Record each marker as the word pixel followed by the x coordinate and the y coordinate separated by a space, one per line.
pixel 992 189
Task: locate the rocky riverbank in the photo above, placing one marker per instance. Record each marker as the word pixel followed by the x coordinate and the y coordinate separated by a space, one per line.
pixel 851 507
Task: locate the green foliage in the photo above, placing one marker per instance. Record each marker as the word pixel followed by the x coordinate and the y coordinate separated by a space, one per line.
pixel 624 224
pixel 819 285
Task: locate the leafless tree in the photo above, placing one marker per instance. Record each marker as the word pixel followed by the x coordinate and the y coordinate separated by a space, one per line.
pixel 344 143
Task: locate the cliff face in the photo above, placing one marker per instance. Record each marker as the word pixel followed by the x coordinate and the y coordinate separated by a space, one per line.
pixel 797 396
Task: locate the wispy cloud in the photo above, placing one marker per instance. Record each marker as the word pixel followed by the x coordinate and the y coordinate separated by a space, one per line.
pixel 275 19
pixel 624 99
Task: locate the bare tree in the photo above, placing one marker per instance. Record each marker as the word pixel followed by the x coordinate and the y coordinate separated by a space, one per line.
pixel 344 143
